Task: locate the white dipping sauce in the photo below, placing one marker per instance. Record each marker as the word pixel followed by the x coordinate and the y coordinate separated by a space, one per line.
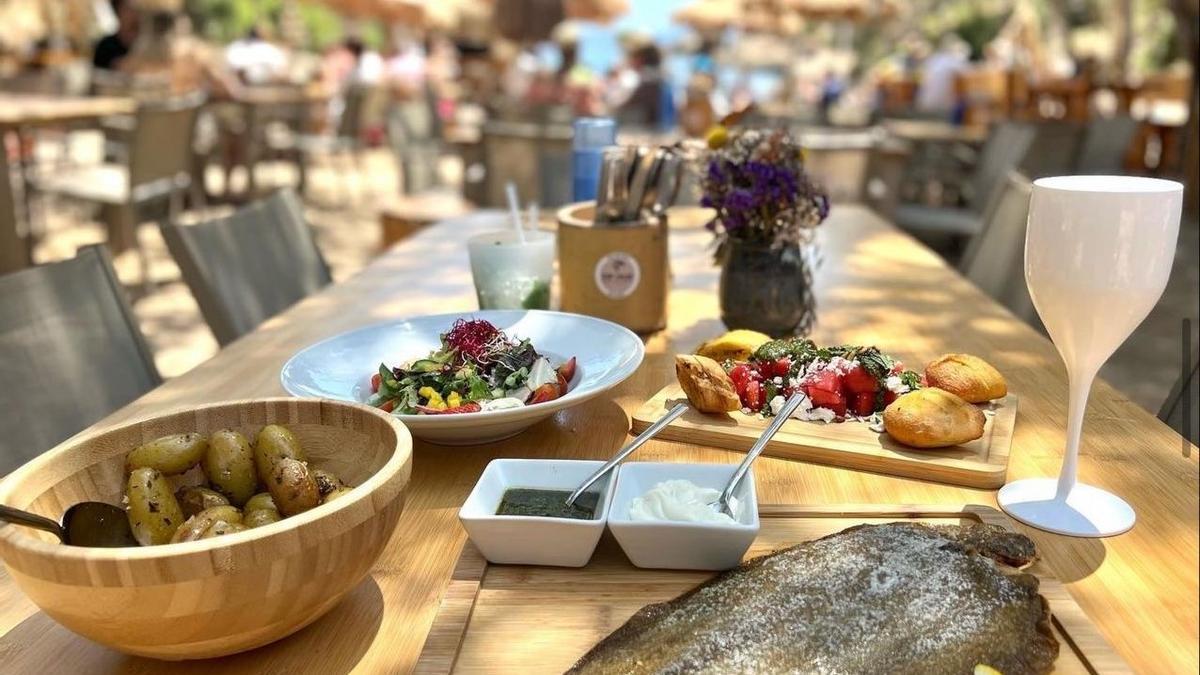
pixel 679 501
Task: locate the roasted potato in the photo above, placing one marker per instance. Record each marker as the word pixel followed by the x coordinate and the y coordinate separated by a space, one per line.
pixel 326 481
pixel 932 418
pixel 169 455
pixel 221 527
pixel 337 494
pixel 229 465
pixel 969 377
pixel 260 517
pixel 195 498
pixel 274 443
pixel 153 511
pixel 706 384
pixel 260 501
pixel 195 527
pixel 292 486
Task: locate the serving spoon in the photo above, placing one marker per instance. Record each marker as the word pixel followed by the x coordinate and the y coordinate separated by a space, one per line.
pixel 84 524
pixel 624 452
pixel 789 407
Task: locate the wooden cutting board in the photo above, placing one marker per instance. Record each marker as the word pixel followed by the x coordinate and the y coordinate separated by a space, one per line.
pixel 499 619
pixel 982 463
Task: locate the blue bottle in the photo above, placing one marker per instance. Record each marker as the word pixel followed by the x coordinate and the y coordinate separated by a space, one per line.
pixel 592 135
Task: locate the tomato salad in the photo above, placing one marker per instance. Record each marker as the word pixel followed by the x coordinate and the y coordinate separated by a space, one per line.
pixel 476 368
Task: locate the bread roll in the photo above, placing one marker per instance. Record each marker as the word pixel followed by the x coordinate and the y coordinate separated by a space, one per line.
pixel 969 377
pixel 706 384
pixel 932 418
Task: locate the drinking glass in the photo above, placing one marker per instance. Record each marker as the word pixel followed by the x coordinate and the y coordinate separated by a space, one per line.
pixel 1098 252
pixel 511 272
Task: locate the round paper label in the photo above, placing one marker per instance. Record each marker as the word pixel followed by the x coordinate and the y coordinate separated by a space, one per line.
pixel 618 275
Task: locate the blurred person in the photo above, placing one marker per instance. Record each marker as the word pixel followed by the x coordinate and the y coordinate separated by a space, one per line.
pixel 651 103
pixel 832 88
pixel 256 60
pixel 111 49
pixel 368 64
pixel 935 93
pixel 575 84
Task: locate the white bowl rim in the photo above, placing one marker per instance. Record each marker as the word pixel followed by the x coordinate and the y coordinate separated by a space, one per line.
pixel 15 535
pixel 627 368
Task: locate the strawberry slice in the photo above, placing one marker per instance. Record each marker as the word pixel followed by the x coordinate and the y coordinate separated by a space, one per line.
pixel 864 403
pixel 375 380
pixel 859 381
pixel 546 392
pixel 468 407
pixel 781 367
pixel 388 405
pixel 567 370
pixel 888 397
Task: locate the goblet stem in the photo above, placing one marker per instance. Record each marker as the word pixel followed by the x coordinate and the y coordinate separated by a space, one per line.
pixel 1080 385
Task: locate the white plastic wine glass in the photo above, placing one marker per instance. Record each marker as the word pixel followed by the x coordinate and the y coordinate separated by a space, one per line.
pixel 1098 252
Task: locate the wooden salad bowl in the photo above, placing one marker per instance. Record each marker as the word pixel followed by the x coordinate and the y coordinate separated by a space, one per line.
pixel 222 595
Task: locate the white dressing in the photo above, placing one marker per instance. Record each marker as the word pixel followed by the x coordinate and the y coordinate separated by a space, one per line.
pixel 679 501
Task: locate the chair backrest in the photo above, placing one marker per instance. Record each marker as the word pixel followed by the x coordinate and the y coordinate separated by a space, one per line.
pixel 1005 147
pixel 1054 149
pixel 161 146
pixel 247 267
pixel 70 353
pixel 1105 144
pixel 995 258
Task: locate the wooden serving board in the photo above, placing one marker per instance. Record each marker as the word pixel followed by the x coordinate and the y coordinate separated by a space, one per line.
pixel 982 463
pixel 499 619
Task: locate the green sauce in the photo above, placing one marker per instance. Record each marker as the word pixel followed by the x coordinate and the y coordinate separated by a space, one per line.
pixel 547 504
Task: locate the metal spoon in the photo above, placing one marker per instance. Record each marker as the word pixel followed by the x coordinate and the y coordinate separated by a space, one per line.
pixel 624 452
pixel 84 524
pixel 789 407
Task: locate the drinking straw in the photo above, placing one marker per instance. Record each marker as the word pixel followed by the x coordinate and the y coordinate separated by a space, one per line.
pixel 515 208
pixel 534 215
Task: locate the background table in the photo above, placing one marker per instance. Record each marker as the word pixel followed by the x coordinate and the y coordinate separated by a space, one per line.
pixel 19 113
pixel 876 286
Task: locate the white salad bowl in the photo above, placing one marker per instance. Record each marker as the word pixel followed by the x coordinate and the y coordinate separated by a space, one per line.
pixel 682 545
pixel 341 367
pixel 533 540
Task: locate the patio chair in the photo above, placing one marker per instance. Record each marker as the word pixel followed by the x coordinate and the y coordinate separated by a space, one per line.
pixel 70 353
pixel 245 268
pixel 1184 416
pixel 995 258
pixel 1054 149
pixel 1005 147
pixel 157 171
pixel 1105 144
pixel 344 141
pixel 15 244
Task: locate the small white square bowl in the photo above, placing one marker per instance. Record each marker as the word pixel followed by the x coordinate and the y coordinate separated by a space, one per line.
pixel 532 540
pixel 677 545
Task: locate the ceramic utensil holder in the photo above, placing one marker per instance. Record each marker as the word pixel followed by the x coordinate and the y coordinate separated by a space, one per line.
pixel 614 271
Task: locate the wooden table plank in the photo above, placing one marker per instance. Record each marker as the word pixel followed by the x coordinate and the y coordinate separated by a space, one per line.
pixel 876 285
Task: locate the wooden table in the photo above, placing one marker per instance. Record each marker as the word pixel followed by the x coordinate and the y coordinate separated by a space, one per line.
pixel 877 286
pixel 30 110
pixel 20 113
pixel 933 131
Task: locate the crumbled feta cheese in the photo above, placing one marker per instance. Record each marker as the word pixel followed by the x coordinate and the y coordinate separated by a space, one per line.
pixel 778 380
pixel 777 404
pixel 895 385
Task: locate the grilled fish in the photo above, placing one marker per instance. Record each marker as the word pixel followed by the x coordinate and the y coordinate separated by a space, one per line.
pixel 892 598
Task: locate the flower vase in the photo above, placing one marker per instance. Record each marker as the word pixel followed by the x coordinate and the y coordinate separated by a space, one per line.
pixel 767 289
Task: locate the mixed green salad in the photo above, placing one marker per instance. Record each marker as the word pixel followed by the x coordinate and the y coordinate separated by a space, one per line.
pixel 476 368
